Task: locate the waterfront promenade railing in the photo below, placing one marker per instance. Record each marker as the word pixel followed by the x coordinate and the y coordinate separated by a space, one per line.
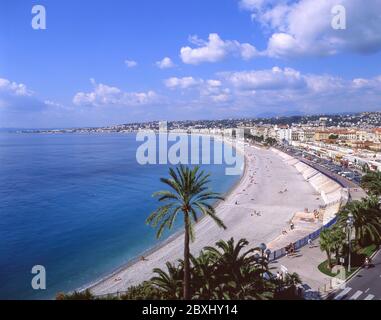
pixel 302 242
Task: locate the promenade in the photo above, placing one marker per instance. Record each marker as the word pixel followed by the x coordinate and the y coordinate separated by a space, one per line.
pixel 305 263
pixel 306 259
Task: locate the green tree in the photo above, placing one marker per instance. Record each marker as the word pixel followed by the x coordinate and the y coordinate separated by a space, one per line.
pixel 327 244
pixel 270 141
pixel 339 237
pixel 371 181
pixel 169 282
pixel 189 194
pixel 222 272
pixel 83 295
pixel 143 291
pixel 226 271
pixel 240 274
pixel 366 219
pixel 204 277
pixel 289 287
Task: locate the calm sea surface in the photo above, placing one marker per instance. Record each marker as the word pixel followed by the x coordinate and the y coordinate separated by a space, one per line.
pixel 77 205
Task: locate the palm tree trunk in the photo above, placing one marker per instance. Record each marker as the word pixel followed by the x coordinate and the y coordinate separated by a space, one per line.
pixel 329 259
pixel 186 284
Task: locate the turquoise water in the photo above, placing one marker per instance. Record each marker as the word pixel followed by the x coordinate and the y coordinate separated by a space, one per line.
pixel 75 204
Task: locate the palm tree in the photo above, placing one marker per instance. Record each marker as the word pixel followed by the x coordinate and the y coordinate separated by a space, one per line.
pixel 292 279
pixel 224 272
pixel 327 244
pixel 338 240
pixel 169 283
pixel 240 274
pixel 371 181
pixel 204 276
pixel 289 287
pixel 366 219
pixel 229 256
pixel 189 194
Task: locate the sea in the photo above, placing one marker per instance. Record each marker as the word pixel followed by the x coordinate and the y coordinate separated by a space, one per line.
pixel 76 204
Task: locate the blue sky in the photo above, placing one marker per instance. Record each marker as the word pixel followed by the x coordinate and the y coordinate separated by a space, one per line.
pixel 110 62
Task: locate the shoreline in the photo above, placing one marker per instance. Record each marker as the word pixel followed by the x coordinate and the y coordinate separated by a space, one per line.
pixel 177 234
pixel 276 209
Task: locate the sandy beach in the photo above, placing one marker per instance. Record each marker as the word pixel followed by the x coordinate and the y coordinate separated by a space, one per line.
pixel 258 209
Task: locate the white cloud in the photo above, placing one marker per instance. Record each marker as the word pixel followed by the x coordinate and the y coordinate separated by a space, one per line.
pixel 325 83
pixel 22 107
pixel 208 90
pixel 130 63
pixel 166 63
pixel 278 91
pixel 361 83
pixel 303 27
pixel 273 79
pixel 13 88
pixel 182 83
pixel 104 95
pixel 214 83
pixel 219 98
pixel 52 103
pixel 252 4
pixel 215 49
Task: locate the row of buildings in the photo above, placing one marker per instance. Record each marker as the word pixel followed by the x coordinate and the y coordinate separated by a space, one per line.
pixel 350 137
pixel 353 147
pixel 359 139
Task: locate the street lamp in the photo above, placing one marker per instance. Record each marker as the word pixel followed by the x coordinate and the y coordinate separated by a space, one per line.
pixel 349 226
pixel 263 247
pixel 268 252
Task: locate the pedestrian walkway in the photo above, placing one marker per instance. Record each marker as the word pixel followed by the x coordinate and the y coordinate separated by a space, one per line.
pixel 348 293
pixel 305 263
pixel 357 193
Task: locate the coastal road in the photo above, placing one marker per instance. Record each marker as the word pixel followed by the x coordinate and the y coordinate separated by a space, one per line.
pixel 343 181
pixel 355 191
pixel 340 179
pixel 366 285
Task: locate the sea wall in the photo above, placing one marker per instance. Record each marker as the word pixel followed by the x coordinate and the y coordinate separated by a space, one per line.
pixel 333 194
